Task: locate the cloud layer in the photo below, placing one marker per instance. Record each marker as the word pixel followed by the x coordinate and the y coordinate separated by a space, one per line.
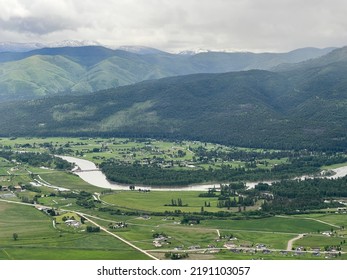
pixel 263 25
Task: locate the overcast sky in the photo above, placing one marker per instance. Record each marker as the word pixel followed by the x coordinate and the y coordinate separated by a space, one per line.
pixel 172 25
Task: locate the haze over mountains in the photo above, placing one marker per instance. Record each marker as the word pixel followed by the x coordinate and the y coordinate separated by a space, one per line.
pixel 301 105
pixel 83 69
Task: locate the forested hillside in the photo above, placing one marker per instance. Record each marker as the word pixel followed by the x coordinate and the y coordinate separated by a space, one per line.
pixel 306 108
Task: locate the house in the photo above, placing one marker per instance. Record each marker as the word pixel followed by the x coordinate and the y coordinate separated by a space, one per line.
pixel 261 246
pixel 157 243
pixel 341 209
pixel 43 208
pixel 194 247
pixel 160 240
pixel 229 245
pixel 317 249
pixel 118 225
pixel 17 188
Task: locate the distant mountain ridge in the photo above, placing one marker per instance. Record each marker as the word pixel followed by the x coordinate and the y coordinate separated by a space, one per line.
pixel 84 69
pixel 25 47
pixel 336 55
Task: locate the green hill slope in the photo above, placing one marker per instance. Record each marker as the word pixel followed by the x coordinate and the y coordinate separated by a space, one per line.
pixel 38 76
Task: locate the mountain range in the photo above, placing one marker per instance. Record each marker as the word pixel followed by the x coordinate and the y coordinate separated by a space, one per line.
pixel 84 69
pixel 294 106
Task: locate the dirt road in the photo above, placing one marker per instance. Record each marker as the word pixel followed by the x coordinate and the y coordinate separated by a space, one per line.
pixel 291 241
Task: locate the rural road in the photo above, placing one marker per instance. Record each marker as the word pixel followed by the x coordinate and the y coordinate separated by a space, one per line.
pixel 291 241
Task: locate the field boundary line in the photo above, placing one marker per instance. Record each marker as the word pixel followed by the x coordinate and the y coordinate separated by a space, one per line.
pixel 329 224
pixel 307 218
pixel 7 254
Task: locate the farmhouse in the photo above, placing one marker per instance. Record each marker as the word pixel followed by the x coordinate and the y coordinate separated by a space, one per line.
pixel 160 240
pixel 118 225
pixel 73 223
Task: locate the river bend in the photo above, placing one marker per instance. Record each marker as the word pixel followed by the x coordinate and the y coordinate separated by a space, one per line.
pixel 89 172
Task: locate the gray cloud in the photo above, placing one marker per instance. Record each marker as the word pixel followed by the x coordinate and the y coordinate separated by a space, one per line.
pixel 35 25
pixel 180 24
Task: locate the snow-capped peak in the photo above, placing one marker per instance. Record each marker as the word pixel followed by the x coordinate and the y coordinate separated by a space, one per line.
pixel 193 51
pixel 72 43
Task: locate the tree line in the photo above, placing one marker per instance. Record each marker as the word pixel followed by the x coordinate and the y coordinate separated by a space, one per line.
pixel 297 195
pixel 36 159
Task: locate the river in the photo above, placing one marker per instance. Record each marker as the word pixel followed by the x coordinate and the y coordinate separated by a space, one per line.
pixel 89 172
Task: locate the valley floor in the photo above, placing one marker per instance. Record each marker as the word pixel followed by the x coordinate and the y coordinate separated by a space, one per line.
pixel 48 213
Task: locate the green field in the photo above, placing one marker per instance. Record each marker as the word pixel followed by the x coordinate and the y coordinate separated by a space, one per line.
pixel 38 239
pixel 273 224
pixel 320 241
pixel 156 200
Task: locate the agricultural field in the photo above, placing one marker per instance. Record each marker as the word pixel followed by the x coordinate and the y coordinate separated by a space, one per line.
pixel 162 201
